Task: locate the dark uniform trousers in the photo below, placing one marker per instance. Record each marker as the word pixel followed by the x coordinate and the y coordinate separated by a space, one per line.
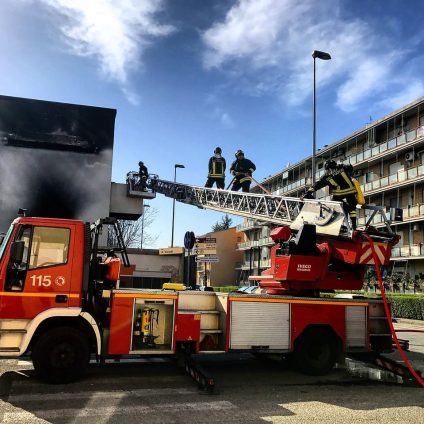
pixel 220 182
pixel 243 182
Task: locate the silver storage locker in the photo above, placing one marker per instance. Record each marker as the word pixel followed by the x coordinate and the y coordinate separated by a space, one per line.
pixel 356 326
pixel 260 324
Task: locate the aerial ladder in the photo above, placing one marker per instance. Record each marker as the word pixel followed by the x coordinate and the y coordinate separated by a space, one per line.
pixel 316 249
pixel 328 216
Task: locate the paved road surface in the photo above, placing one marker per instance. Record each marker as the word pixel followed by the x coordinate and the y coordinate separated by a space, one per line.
pixel 250 391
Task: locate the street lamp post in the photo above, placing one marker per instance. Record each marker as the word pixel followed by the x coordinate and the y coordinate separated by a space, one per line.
pixel 323 56
pixel 142 226
pixel 173 203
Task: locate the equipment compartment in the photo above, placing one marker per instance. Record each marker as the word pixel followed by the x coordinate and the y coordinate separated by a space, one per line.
pixel 153 321
pixel 142 322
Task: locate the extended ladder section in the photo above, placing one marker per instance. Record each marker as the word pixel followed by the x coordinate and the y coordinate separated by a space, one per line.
pixel 329 216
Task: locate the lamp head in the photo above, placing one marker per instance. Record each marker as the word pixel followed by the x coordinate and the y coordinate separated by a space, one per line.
pixel 321 55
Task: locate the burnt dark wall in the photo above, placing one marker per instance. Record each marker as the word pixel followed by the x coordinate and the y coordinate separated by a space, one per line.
pixel 55 159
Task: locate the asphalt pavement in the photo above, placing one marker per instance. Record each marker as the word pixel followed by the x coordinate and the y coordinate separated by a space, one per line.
pixel 248 390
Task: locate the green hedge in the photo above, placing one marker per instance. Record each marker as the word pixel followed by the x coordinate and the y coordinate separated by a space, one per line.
pixel 407 306
pixel 225 289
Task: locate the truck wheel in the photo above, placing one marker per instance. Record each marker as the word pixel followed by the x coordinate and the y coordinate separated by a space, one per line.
pixel 315 352
pixel 61 355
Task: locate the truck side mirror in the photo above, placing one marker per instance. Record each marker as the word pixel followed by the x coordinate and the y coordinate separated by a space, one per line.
pixel 17 251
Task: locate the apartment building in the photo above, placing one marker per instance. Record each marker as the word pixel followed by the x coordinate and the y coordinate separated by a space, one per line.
pixel 388 160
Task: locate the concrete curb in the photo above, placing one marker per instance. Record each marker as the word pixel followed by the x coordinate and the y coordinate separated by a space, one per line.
pixel 416 322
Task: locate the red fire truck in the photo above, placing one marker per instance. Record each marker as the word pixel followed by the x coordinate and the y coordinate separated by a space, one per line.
pixel 60 300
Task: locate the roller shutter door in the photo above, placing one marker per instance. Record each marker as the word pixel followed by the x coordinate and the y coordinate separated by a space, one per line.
pixel 356 326
pixel 260 324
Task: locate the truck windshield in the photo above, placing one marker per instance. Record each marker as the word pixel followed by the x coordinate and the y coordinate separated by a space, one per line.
pixel 4 242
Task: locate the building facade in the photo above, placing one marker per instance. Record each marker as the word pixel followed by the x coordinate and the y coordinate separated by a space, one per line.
pixel 227 271
pixel 388 160
pixel 56 161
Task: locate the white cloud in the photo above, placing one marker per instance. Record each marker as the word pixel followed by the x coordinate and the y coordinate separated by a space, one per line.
pixel 369 76
pixel 266 46
pixel 114 33
pixel 412 90
pixel 223 117
pixel 226 120
pixel 212 100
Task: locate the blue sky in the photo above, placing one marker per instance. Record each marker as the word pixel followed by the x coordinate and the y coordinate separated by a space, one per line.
pixel 189 75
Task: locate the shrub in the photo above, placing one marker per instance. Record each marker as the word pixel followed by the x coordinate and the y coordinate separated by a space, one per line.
pixel 225 289
pixel 407 306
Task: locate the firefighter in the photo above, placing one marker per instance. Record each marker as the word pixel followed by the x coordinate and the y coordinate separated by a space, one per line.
pixel 242 169
pixel 216 170
pixel 343 187
pixel 143 173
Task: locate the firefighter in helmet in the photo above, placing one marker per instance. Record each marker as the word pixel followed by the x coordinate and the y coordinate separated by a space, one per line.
pixel 216 170
pixel 343 187
pixel 242 169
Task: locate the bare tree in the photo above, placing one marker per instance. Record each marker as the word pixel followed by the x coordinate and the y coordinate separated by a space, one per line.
pixel 135 233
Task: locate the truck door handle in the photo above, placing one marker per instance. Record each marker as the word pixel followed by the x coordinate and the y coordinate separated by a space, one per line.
pixel 61 298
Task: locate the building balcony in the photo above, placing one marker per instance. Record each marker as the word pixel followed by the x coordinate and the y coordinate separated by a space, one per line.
pixel 412 251
pixel 401 178
pixel 405 140
pixel 402 142
pixel 266 241
pixel 265 263
pixel 247 245
pixel 410 215
pixel 293 187
pixel 250 224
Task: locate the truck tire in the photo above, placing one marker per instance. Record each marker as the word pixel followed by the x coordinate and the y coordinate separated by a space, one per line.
pixel 316 351
pixel 61 355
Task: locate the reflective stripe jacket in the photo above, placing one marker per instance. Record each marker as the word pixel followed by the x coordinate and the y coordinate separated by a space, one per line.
pixel 244 166
pixel 217 167
pixel 338 181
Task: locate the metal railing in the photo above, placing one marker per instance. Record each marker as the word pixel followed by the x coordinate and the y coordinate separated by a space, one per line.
pixel 248 225
pixel 409 214
pixel 412 250
pixel 367 154
pixel 380 148
pixel 265 263
pixel 409 175
pixel 264 241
